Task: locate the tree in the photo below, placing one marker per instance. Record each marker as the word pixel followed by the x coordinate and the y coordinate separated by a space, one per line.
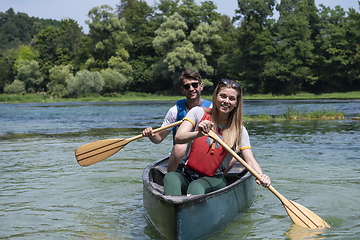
pixel 24 53
pixel 85 82
pixel 29 73
pixel 179 51
pixel 16 86
pixel 290 61
pixel 19 29
pixel 113 81
pixel 60 76
pixel 332 48
pixel 253 41
pixel 140 26
pixel 59 46
pixel 7 74
pixel 108 37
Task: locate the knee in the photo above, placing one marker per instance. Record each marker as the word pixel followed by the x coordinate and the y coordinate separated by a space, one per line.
pixel 179 149
pixel 197 187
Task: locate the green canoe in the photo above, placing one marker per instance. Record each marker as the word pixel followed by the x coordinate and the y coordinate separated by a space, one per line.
pixel 199 216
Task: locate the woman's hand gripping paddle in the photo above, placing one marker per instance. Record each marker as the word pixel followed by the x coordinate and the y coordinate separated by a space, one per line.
pixel 300 215
pixel 94 152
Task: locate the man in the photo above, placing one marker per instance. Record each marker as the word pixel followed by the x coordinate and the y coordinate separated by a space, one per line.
pixel 191 87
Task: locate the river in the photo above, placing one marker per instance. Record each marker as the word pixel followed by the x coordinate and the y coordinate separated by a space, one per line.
pixel 45 194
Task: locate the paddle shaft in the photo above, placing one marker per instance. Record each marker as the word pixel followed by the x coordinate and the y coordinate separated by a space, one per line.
pixel 156 130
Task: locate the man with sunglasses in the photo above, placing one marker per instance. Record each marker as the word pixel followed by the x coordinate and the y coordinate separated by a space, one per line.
pixel 191 87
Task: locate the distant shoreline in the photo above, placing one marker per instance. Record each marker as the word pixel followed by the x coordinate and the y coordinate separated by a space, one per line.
pixel 133 96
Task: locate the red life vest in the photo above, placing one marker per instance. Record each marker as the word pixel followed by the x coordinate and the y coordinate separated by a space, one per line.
pixel 205 155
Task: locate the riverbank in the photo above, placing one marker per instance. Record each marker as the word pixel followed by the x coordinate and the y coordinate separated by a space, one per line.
pixel 290 113
pixel 133 96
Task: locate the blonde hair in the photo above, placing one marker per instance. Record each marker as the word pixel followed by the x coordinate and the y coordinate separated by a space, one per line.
pixel 233 128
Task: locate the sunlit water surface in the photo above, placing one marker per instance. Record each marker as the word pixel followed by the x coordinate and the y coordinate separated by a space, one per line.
pixel 45 194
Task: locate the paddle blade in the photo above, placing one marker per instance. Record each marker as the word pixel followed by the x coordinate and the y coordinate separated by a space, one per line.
pixel 94 152
pixel 302 216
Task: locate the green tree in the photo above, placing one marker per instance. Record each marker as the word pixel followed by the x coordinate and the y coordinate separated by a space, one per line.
pixel 70 43
pixel 85 82
pixel 253 41
pixel 332 48
pixel 353 36
pixel 7 74
pixel 140 26
pixel 59 46
pixel 16 86
pixel 180 52
pixel 290 61
pixel 108 37
pixel 24 53
pixel 113 81
pixel 29 73
pixel 19 29
pixel 60 76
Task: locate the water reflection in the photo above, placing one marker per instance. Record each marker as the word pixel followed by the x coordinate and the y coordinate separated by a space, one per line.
pixel 299 233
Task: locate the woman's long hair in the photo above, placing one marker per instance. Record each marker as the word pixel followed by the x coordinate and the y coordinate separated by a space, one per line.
pixel 233 128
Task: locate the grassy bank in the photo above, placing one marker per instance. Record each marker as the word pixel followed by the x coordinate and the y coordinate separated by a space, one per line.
pixel 294 114
pixel 290 114
pixel 131 96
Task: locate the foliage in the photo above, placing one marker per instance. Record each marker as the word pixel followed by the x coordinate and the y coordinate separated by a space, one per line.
pixel 304 49
pixel 113 81
pixel 16 86
pixel 292 54
pixel 19 29
pixel 85 82
pixel 59 46
pixel 24 53
pixel 29 73
pixel 179 51
pixel 60 76
pixel 108 37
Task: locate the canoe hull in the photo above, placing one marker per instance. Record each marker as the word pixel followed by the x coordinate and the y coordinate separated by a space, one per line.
pixel 194 217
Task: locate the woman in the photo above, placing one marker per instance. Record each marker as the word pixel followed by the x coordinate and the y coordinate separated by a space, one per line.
pixel 205 161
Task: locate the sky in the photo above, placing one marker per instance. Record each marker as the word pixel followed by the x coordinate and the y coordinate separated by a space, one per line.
pixel 78 9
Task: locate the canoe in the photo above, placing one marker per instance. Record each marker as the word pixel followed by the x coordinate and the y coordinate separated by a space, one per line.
pixel 198 216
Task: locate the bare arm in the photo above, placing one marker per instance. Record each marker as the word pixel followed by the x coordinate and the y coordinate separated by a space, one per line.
pixel 186 132
pixel 155 137
pixel 250 159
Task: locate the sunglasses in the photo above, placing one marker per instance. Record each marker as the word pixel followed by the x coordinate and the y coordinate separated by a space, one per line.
pixel 194 85
pixel 230 82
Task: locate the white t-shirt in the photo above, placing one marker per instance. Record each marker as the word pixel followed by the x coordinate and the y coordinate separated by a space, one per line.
pixel 171 116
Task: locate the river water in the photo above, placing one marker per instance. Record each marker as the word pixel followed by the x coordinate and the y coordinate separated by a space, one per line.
pixel 45 194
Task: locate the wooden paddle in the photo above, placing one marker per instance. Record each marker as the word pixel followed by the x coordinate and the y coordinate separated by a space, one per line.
pixel 300 215
pixel 94 152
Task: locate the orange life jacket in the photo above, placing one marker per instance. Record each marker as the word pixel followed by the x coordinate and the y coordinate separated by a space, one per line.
pixel 205 155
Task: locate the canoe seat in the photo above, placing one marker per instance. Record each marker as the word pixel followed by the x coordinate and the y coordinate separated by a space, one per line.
pixel 161 168
pixel 157 187
pixel 157 174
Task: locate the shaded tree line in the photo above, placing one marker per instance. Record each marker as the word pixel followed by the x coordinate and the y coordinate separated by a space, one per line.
pixel 142 48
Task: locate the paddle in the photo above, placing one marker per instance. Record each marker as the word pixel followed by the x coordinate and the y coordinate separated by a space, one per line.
pixel 94 152
pixel 300 215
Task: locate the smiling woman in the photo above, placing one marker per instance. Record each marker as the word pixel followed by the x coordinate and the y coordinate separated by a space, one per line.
pixel 205 163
